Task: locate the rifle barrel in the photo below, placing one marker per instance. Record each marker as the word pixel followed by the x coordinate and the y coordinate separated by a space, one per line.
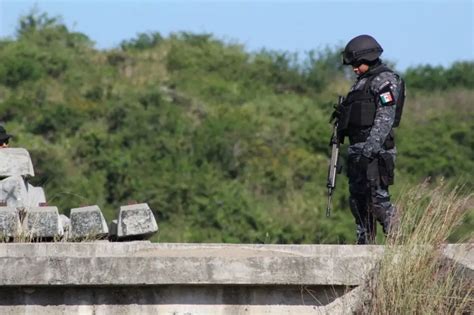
pixel 328 209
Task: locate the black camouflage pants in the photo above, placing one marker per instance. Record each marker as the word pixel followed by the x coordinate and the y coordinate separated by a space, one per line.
pixel 369 198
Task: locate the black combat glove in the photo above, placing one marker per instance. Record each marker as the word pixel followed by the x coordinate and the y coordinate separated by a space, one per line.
pixel 336 114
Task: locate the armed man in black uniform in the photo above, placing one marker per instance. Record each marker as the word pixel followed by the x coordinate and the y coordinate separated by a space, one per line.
pixel 367 117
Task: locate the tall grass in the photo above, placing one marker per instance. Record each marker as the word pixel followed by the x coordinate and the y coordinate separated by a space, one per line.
pixel 414 276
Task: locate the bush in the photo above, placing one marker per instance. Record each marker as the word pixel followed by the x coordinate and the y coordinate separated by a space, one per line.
pixel 142 41
pixel 430 78
pixel 19 63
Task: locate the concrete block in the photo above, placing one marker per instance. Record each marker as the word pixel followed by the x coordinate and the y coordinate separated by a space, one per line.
pixel 43 223
pixel 18 193
pixel 88 222
pixel 13 191
pixel 15 162
pixel 10 225
pixel 136 222
pixel 36 196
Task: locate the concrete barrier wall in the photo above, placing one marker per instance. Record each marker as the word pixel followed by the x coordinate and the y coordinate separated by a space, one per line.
pixel 148 278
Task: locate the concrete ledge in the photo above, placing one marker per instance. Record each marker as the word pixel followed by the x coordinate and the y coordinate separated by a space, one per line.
pixel 144 263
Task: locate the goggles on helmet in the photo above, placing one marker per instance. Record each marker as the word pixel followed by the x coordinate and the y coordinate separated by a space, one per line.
pixel 354 57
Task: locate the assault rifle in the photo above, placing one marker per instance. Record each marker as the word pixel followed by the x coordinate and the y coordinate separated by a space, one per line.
pixel 333 166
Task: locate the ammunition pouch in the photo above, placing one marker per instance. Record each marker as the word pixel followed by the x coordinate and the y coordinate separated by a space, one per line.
pixel 386 169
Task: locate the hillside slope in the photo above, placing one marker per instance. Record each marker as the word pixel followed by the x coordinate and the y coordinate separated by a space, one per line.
pixel 225 145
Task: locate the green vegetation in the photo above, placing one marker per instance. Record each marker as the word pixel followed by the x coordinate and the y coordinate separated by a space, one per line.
pixel 224 145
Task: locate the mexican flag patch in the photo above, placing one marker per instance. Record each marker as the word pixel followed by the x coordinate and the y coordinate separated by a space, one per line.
pixel 386 98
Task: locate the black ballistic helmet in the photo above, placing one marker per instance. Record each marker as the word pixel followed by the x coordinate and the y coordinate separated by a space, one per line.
pixel 361 48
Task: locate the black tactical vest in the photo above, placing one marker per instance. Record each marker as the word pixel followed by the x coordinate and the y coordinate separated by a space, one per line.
pixel 359 108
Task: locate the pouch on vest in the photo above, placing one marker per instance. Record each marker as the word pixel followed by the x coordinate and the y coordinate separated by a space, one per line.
pixel 386 169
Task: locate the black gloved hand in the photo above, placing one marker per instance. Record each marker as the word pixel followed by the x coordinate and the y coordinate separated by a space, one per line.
pixel 336 114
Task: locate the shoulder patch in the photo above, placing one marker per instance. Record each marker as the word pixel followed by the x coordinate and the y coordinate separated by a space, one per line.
pixel 386 96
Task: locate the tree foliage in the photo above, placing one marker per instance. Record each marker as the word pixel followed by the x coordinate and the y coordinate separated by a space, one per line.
pixel 427 77
pixel 225 145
